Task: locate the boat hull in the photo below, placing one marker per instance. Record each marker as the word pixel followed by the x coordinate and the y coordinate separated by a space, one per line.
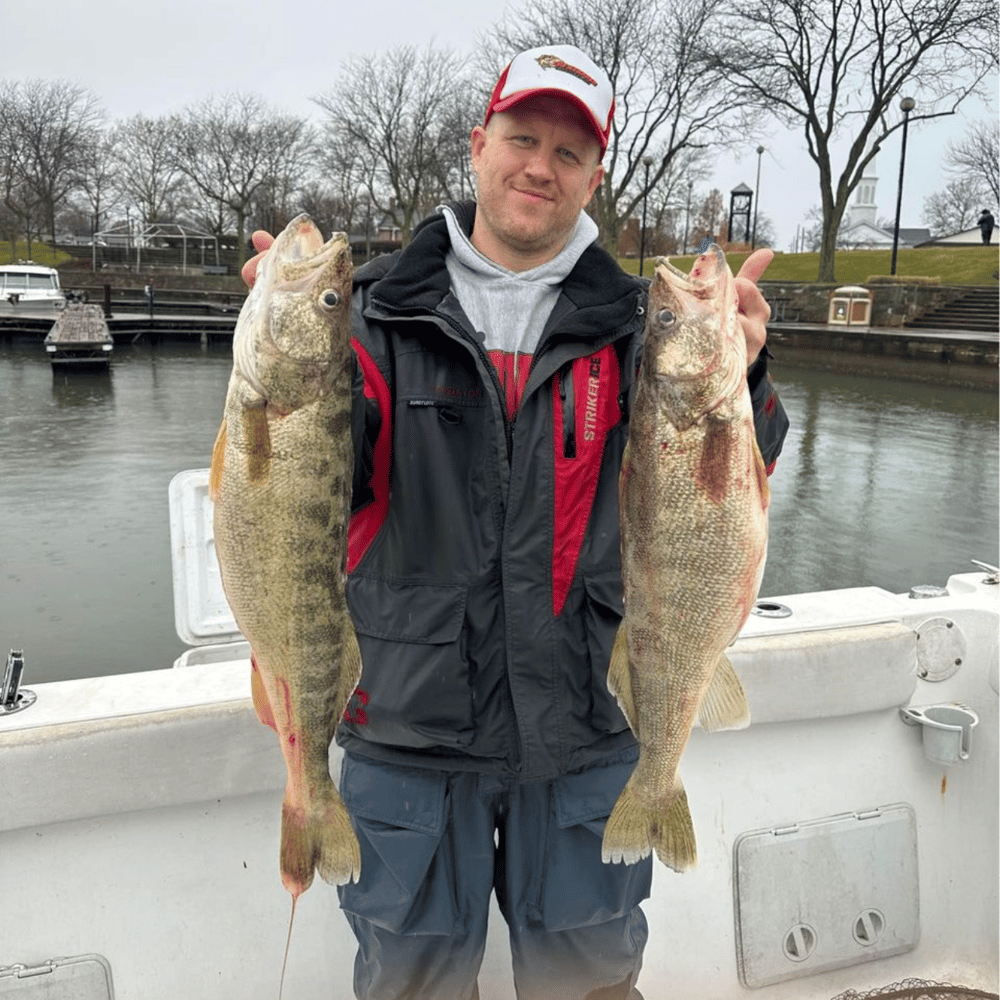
pixel 139 820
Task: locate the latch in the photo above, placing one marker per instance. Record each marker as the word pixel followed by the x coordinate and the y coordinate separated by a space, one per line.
pixel 12 697
pixel 26 972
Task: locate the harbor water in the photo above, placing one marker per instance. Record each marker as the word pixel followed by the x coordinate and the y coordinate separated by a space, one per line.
pixel 881 483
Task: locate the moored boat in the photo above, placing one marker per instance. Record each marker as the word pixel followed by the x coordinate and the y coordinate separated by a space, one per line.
pixel 30 287
pixel 847 838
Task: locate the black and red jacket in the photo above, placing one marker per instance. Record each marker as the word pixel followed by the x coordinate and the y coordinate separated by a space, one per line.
pixel 484 567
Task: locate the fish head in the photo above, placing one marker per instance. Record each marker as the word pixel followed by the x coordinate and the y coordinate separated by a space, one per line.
pixel 293 335
pixel 694 355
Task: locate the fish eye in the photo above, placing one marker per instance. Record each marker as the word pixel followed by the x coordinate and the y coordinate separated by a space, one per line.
pixel 665 317
pixel 329 299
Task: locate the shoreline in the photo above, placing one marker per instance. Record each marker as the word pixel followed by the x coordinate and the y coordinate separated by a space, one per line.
pixel 965 358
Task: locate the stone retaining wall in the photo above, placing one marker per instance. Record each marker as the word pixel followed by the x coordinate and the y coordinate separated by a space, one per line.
pixel 892 304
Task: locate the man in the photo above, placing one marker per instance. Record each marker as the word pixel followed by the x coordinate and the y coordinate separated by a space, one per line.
pixel 985 223
pixel 483 751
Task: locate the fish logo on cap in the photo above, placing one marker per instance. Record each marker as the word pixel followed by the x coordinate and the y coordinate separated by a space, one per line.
pixel 554 62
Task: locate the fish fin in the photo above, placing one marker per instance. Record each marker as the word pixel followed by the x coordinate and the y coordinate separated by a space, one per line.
pixel 258 443
pixel 636 828
pixel 218 459
pixel 620 679
pixel 318 838
pixel 261 702
pixel 339 859
pixel 725 703
pixel 350 665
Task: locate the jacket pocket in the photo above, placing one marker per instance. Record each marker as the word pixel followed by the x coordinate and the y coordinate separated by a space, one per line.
pixel 579 889
pixel 399 816
pixel 604 610
pixel 415 685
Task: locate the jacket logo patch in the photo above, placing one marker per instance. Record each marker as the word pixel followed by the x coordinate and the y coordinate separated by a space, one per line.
pixel 593 397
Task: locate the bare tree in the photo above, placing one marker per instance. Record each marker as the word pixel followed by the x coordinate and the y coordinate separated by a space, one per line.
pixel 49 126
pixel 955 208
pixel 230 147
pixel 97 180
pixel 393 110
pixel 343 178
pixel 11 199
pixel 978 156
pixel 670 99
pixel 453 178
pixel 837 68
pixel 148 174
pixel 710 220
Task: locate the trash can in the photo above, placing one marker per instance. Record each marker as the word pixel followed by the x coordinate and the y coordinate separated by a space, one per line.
pixel 851 305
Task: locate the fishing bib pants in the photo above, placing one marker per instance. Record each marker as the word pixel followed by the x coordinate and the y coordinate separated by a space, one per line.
pixel 436 844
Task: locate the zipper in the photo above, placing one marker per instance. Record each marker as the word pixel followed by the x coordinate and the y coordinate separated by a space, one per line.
pixel 568 412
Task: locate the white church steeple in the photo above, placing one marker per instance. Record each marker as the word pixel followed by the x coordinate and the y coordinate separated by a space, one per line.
pixel 864 209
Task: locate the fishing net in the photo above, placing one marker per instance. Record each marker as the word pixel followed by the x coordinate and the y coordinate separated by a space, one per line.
pixel 918 989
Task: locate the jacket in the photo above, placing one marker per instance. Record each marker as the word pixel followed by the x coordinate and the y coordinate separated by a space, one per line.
pixel 483 558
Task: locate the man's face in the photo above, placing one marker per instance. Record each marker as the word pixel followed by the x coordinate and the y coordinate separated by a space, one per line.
pixel 537 166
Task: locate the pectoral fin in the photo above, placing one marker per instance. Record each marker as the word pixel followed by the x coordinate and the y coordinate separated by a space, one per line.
pixel 218 459
pixel 620 680
pixel 725 703
pixel 261 702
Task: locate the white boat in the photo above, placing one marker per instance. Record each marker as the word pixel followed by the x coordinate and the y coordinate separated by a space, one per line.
pixel 29 287
pixel 847 839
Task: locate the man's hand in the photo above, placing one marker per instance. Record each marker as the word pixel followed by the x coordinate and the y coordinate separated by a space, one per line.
pixel 262 242
pixel 754 312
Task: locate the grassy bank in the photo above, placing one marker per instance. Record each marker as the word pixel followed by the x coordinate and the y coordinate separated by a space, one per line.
pixel 952 265
pixel 41 253
pixel 973 265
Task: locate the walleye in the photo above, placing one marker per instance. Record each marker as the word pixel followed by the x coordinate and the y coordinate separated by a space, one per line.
pixel 282 470
pixel 693 499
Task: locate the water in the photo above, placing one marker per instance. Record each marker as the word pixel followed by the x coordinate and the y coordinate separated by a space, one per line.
pixel 880 483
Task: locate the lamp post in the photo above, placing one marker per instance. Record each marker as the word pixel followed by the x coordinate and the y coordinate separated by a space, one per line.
pixel 756 199
pixel 647 162
pixel 687 217
pixel 907 104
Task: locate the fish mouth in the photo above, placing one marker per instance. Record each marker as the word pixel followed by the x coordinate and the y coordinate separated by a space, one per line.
pixel 302 240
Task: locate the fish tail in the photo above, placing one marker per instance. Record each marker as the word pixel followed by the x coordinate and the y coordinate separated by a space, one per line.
pixel 320 838
pixel 339 859
pixel 635 828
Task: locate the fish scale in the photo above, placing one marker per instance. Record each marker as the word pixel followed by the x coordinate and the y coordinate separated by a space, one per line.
pixel 282 472
pixel 693 500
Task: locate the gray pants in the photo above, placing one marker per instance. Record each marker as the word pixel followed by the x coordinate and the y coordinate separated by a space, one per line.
pixel 435 844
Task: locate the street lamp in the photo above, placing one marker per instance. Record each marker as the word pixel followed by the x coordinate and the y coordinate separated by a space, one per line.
pixel 687 217
pixel 907 104
pixel 756 199
pixel 647 162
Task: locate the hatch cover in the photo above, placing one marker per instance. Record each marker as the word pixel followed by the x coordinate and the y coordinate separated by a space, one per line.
pixel 83 977
pixel 825 894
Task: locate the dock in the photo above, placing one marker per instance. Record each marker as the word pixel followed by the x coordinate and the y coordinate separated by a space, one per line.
pixel 80 338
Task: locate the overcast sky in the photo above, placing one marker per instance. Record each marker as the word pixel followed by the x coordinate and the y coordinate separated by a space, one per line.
pixel 157 58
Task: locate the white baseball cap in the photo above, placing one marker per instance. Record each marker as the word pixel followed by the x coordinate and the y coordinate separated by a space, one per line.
pixel 563 71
